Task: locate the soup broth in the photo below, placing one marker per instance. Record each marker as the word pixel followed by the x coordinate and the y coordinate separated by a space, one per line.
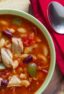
pixel 24 56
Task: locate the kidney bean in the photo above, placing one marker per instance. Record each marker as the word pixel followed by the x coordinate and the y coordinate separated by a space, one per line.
pixel 7 33
pixel 28 59
pixel 4 83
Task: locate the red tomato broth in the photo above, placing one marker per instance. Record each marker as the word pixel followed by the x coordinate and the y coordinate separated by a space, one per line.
pixel 28 41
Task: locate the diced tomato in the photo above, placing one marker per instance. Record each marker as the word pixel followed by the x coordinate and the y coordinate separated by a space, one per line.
pixel 29 40
pixel 31 36
pixel 26 41
pixel 5 74
pixel 21 64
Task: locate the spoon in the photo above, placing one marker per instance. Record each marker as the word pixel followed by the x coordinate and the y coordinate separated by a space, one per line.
pixel 56 17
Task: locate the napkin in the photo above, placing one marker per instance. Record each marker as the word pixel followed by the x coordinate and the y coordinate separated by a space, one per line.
pixel 15 4
pixel 40 12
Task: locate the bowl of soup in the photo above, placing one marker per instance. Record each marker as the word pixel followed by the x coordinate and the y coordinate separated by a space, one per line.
pixel 27 54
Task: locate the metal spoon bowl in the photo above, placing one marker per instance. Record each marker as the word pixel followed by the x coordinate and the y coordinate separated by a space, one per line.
pixel 56 17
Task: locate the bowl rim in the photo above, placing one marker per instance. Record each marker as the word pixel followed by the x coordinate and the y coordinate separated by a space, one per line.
pixel 48 38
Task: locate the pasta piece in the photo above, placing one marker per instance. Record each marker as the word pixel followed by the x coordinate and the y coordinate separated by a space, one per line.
pixel 21 30
pixel 23 76
pixel 45 50
pixel 24 56
pixel 3 22
pixel 34 56
pixel 25 83
pixel 15 64
pixel 42 57
pixel 2 42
